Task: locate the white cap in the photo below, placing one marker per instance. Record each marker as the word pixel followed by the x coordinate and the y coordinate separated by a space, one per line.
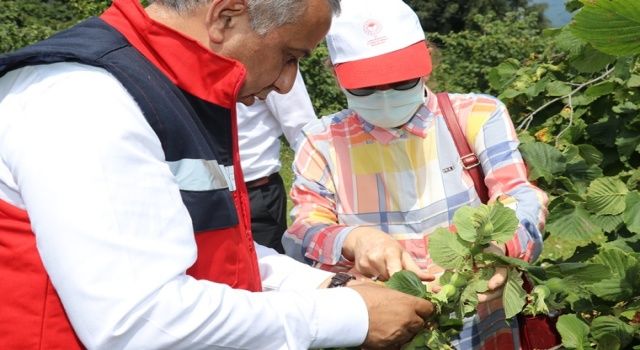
pixel 374 42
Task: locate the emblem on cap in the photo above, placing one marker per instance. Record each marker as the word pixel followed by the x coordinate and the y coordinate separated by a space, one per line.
pixel 372 28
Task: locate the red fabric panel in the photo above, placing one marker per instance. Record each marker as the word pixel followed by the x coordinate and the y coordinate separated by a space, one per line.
pixel 31 315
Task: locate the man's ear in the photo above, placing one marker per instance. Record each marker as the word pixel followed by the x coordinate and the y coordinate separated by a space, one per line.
pixel 221 16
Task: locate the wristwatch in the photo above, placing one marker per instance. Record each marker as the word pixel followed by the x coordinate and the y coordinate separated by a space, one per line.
pixel 340 279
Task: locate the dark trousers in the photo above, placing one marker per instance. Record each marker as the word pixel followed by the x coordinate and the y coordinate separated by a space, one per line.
pixel 269 212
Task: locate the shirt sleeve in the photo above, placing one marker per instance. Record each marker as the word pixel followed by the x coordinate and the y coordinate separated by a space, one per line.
pixel 293 110
pixel 116 239
pixel 496 143
pixel 315 236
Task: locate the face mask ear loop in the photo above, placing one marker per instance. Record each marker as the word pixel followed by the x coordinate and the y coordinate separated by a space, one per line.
pixel 426 91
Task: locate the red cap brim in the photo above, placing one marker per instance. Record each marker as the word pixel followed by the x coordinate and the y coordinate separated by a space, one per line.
pixel 411 62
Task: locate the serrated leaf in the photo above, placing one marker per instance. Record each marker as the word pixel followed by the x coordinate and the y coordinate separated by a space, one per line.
pixel 627 144
pixel 514 296
pixel 504 222
pixel 582 172
pixel 608 223
pixel 573 332
pixel 407 282
pixel 616 260
pixel 558 88
pixel 590 154
pixel 610 25
pixel 606 196
pixel 631 214
pixel 568 42
pixel 544 161
pixel 555 248
pixel 573 223
pixel 484 226
pixel 502 75
pixel 469 296
pixel 590 60
pixel 447 250
pixel 578 273
pixel 503 260
pixel 603 326
pixel 608 342
pixel 601 89
pixel 466 223
pixel 622 281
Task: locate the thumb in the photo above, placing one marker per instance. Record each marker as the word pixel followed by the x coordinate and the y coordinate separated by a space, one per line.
pixel 498 279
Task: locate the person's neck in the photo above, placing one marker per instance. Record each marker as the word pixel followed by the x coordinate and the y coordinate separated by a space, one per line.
pixel 190 24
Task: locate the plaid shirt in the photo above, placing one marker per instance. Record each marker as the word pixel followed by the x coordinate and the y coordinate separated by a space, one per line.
pixel 408 182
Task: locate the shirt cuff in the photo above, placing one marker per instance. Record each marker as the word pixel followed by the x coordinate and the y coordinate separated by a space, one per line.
pixel 342 318
pixel 338 257
pixel 281 272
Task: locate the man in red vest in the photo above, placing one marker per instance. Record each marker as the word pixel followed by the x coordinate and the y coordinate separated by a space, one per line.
pixel 124 220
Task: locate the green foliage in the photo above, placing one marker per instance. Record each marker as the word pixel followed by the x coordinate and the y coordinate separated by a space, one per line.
pixel 24 22
pixel 577 109
pixel 454 16
pixel 468 272
pixel 610 26
pixel 321 83
pixel 465 57
pixel 573 331
pixel 578 112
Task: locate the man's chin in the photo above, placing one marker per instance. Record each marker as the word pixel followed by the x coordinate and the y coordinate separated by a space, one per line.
pixel 247 100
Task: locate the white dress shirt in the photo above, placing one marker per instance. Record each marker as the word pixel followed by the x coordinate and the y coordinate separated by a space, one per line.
pixel 115 238
pixel 261 125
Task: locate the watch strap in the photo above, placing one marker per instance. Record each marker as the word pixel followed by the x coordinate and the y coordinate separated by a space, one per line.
pixel 340 279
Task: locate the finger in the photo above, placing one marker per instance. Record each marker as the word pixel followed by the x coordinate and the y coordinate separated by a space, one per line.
pixel 484 297
pixel 365 268
pixel 434 287
pixel 423 308
pixel 498 279
pixel 411 265
pixel 394 261
pixel 378 268
pixel 417 324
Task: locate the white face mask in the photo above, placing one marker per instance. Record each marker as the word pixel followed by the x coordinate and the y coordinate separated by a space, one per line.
pixel 388 108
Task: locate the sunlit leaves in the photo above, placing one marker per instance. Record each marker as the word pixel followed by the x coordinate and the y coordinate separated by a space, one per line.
pixel 407 282
pixel 606 196
pixel 632 212
pixel 573 332
pixel 573 223
pixel 449 251
pixel 513 297
pixel 608 326
pixel 612 26
pixel 623 280
pixel 544 160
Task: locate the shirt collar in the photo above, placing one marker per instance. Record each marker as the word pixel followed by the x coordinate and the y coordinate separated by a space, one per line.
pixel 191 66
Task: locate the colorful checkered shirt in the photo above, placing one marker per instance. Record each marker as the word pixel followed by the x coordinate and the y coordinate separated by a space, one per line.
pixel 407 182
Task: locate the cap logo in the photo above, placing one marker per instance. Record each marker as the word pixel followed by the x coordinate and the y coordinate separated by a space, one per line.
pixel 372 28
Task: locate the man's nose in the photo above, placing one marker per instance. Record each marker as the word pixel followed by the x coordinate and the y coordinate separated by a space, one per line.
pixel 287 77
